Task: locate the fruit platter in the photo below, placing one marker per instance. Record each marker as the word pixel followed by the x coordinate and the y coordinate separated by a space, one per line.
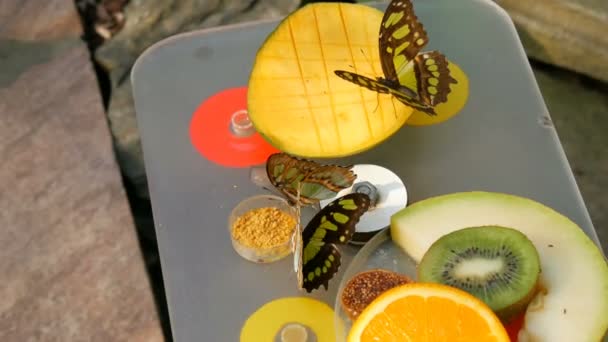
pixel 364 172
pixel 486 244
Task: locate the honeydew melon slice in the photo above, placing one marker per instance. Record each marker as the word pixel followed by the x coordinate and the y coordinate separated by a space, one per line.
pixel 297 103
pixel 573 305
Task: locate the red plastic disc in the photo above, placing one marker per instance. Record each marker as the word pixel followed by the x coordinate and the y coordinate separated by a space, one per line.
pixel 212 136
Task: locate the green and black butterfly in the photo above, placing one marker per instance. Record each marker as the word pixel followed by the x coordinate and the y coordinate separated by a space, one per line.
pixel 317 181
pixel 305 182
pixel 316 257
pixel 419 80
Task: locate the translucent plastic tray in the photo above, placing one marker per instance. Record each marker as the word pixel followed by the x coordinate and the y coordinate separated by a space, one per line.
pixel 503 140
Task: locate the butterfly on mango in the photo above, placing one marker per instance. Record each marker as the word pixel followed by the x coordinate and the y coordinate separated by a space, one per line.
pixel 418 80
pixel 318 181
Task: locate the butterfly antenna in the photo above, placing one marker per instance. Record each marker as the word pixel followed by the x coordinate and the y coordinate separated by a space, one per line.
pixel 298 217
pixel 298 208
pixel 367 59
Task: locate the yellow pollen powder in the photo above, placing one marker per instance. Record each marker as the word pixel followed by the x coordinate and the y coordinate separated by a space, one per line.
pixel 263 228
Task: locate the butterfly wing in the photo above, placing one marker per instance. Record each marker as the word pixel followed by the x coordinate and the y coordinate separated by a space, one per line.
pixel 297 242
pixel 334 224
pixel 363 81
pixel 321 268
pixel 297 257
pixel 433 77
pixel 402 93
pixel 413 102
pixel 401 37
pixel 318 181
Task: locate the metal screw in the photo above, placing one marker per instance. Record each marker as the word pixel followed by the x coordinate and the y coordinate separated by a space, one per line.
pixel 369 189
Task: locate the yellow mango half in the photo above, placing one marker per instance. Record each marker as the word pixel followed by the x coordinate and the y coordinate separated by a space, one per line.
pixel 297 103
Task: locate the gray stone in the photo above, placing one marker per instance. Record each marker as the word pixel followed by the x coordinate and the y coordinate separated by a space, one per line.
pixel 30 20
pixel 568 34
pixel 123 124
pixel 69 254
pixel 578 108
pixel 147 23
pixel 21 55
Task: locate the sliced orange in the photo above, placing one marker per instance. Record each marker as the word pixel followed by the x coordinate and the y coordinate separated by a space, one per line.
pixel 427 312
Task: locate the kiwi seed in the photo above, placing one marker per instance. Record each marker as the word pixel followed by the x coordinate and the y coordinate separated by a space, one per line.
pixel 498 265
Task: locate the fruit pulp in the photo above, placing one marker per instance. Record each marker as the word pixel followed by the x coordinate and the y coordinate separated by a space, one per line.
pixel 570 261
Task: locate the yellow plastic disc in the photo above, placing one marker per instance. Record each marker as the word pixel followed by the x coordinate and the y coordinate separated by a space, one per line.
pixel 266 323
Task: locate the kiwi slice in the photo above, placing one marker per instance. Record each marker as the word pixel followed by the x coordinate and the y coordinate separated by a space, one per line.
pixel 498 265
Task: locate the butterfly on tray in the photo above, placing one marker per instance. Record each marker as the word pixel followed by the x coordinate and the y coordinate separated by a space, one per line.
pixel 317 182
pixel 316 257
pixel 419 80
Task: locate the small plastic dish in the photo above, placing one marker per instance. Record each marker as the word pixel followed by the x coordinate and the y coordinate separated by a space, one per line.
pixel 380 252
pixel 261 255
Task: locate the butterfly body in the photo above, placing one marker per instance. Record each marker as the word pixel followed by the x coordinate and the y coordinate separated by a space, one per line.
pixel 419 80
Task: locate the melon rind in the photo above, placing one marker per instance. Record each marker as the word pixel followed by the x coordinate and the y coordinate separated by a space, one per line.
pixel 574 303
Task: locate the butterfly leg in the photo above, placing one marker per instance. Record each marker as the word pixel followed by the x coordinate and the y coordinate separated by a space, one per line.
pixel 269 190
pixel 377 101
pixel 394 107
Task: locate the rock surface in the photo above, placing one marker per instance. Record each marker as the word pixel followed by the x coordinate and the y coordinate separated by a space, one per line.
pixel 148 22
pixel 568 34
pixel 38 20
pixel 69 253
pixel 578 108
